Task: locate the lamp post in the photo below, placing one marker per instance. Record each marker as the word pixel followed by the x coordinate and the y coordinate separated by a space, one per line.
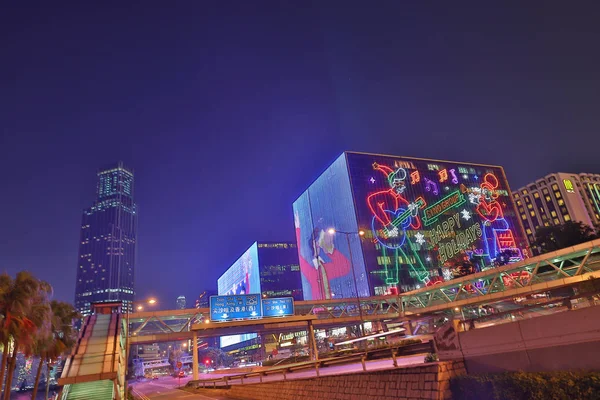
pixel 149 301
pixel 360 233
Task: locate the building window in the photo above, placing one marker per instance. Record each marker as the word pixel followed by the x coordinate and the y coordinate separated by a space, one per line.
pixel 532 213
pixel 555 187
pixel 523 216
pixel 527 200
pixel 545 191
pixel 524 191
pixel 557 195
pixel 561 202
pixel 567 217
pixel 553 213
pixel 536 195
pixel 556 221
pixel 528 231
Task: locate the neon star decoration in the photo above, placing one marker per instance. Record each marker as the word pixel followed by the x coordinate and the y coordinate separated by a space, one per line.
pixel 466 214
pixel 372 180
pixel 419 238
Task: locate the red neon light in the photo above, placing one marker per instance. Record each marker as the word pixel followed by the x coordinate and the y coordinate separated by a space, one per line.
pixel 489 210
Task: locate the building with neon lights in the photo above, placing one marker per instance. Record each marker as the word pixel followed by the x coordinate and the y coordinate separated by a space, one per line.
pixel 107 244
pixel 558 198
pixel 422 222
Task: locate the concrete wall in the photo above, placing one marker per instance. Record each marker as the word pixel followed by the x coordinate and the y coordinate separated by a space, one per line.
pixel 430 381
pixel 561 341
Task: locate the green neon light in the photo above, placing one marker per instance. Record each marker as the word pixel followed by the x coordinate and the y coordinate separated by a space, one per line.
pixel 592 195
pixel 442 208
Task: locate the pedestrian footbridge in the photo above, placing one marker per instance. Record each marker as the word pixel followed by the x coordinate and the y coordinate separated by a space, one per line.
pixel 95 370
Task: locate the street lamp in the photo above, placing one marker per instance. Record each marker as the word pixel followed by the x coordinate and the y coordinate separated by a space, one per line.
pixel 149 301
pixel 360 233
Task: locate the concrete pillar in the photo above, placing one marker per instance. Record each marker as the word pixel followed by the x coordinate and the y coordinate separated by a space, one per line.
pixel 195 356
pixel 312 341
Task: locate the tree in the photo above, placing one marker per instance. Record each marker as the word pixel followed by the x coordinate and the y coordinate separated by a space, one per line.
pixel 36 317
pixel 15 303
pixel 216 357
pixel 58 340
pixel 556 237
pixel 175 356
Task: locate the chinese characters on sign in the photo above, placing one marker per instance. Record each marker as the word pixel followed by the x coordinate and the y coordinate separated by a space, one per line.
pixel 227 308
pixel 280 307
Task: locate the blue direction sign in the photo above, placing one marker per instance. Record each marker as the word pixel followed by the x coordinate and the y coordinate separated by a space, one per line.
pixel 278 307
pixel 226 308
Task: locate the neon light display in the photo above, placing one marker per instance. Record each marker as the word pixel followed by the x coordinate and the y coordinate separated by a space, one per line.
pixel 416 231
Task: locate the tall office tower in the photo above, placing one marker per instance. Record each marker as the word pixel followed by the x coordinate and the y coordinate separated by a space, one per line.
pixel 181 304
pixel 107 246
pixel 374 224
pixel 558 198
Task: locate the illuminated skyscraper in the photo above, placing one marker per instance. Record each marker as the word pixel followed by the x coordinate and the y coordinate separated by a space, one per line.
pixel 181 303
pixel 107 245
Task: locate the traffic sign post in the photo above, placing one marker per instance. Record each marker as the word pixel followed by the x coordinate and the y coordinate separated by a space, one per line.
pixel 179 365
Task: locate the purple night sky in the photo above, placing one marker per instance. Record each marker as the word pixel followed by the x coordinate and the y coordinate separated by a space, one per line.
pixel 227 112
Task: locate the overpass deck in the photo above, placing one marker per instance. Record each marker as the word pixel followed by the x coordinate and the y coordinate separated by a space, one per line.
pixel 563 268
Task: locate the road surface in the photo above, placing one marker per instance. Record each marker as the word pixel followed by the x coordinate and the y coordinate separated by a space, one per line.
pixel 166 387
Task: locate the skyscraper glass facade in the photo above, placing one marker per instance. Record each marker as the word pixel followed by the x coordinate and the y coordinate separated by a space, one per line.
pixel 423 222
pixel 107 246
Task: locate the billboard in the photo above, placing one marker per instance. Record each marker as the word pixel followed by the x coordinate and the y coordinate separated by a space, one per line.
pixel 325 259
pixel 424 222
pixel 243 276
pixel 428 221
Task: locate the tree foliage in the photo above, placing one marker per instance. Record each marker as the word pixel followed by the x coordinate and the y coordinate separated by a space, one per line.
pixel 215 356
pixel 31 324
pixel 556 237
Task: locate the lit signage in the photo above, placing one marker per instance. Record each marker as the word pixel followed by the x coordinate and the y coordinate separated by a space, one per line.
pixel 249 306
pixel 279 307
pixel 568 185
pixel 227 308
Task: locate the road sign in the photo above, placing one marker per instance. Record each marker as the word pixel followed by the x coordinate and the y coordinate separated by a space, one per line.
pixel 179 365
pixel 243 306
pixel 278 307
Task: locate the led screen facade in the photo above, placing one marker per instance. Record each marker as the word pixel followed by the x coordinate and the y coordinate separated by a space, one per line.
pixel 243 276
pixel 324 258
pixel 424 221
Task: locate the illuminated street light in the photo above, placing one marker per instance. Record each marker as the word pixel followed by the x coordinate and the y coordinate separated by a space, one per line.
pixel 360 233
pixel 150 301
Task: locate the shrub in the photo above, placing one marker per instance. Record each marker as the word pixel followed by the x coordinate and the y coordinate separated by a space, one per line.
pixel 527 385
pixel 431 357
